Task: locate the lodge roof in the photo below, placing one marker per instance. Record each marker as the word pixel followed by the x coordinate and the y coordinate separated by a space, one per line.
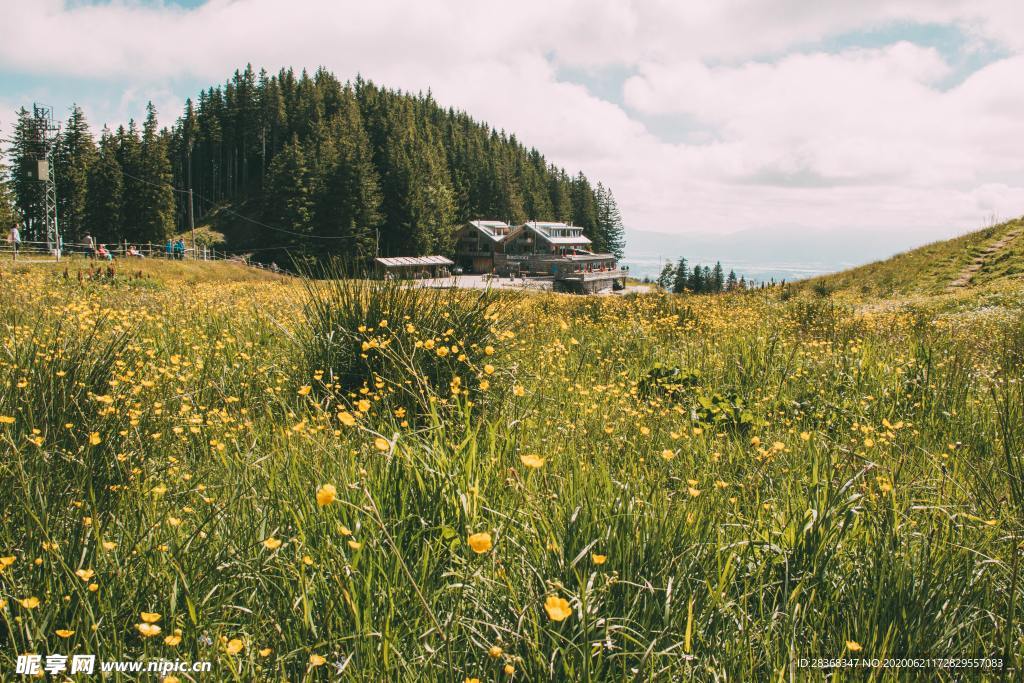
pixel 490 229
pixel 400 261
pixel 546 229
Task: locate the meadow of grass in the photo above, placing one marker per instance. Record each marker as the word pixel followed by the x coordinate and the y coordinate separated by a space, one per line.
pixel 930 269
pixel 355 481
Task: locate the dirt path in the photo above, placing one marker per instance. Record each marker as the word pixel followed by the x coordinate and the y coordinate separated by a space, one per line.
pixel 972 268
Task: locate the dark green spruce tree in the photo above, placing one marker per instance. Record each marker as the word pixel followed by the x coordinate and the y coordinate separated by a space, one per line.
pixel 8 213
pixel 288 202
pixel 717 279
pixel 609 222
pixel 105 193
pixel 682 277
pixel 348 200
pixel 156 204
pixel 73 158
pixel 23 154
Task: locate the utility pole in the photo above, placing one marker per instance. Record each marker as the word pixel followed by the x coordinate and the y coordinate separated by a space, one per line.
pixel 191 209
pixel 192 225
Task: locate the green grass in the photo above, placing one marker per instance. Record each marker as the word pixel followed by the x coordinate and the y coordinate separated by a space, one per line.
pixel 930 269
pixel 857 480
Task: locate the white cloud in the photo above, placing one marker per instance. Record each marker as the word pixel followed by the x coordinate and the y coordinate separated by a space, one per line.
pixel 790 135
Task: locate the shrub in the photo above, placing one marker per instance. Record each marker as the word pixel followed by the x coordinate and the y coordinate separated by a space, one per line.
pixel 420 346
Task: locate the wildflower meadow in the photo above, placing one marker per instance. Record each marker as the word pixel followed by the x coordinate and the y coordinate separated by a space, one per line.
pixel 334 479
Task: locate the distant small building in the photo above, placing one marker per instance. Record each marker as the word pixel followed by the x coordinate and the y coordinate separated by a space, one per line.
pixel 409 267
pixel 477 242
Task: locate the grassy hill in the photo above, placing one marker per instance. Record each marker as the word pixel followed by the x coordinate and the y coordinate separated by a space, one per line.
pixel 970 261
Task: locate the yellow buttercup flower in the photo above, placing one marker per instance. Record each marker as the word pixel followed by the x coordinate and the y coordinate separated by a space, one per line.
pixel 64 633
pixel 148 630
pixel 355 545
pixel 494 651
pixel 557 608
pixel 94 439
pixel 518 390
pixel 326 494
pixel 150 617
pixel 234 646
pixel 173 640
pixel 480 542
pixel 598 559
pixel 381 444
pixel 265 652
pixel 346 418
pixel 84 574
pixel 29 603
pixel 668 454
pixel 532 461
pixel 272 543
pixel 317 660
pixel 853 646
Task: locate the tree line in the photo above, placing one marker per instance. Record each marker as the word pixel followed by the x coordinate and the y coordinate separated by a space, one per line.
pixel 304 164
pixel 680 277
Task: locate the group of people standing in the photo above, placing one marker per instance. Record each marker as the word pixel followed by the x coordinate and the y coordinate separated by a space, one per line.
pixel 175 248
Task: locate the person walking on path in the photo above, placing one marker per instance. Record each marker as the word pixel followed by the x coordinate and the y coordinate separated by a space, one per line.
pixel 14 237
pixel 90 246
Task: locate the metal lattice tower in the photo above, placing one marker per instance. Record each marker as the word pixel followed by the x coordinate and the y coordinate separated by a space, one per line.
pixel 46 134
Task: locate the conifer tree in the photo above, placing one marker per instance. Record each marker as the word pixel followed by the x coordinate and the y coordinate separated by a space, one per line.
pixel 696 281
pixel 288 204
pixel 156 202
pixel 667 278
pixel 682 277
pixel 105 193
pixel 584 211
pixel 717 278
pixel 73 157
pixel 24 154
pixel 609 222
pixel 731 283
pixel 129 158
pixel 348 201
pixel 8 214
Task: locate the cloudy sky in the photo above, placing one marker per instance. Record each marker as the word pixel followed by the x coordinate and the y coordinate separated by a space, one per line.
pixel 868 117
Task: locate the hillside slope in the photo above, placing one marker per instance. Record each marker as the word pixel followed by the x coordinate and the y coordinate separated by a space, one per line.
pixel 977 259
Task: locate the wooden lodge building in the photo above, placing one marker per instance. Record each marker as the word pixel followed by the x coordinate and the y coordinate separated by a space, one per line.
pixel 539 249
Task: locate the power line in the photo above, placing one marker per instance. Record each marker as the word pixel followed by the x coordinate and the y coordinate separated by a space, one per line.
pixel 235 213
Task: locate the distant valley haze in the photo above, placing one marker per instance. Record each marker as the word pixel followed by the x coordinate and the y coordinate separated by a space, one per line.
pixel 780 253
